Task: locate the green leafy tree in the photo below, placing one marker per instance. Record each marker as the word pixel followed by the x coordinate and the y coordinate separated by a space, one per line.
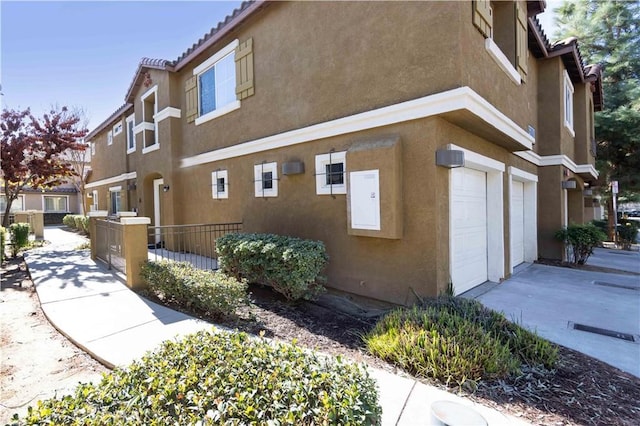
pixel 608 34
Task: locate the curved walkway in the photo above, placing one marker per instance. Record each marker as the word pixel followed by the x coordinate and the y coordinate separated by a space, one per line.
pixel 97 311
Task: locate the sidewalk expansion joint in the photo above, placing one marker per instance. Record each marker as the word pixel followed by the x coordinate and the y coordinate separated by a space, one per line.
pixel 83 296
pixel 406 401
pixel 122 330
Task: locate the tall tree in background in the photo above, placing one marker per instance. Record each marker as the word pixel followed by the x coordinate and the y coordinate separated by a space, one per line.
pixel 608 34
pixel 35 151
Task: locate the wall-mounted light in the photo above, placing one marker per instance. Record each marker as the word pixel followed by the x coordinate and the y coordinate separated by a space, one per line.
pixel 165 188
pixel 569 184
pixel 449 158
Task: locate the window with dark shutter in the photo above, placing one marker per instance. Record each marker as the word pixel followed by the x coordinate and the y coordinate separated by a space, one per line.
pixel 244 70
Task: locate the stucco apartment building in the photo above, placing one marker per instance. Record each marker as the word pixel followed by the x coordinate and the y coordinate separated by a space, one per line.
pixel 423 142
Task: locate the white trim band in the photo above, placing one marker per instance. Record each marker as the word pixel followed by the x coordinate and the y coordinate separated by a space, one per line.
pixel 463 98
pixel 168 112
pixel 114 179
pixel 557 160
pixel 503 62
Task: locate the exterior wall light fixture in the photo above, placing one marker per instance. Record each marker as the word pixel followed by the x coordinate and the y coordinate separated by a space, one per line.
pixel 165 188
pixel 450 158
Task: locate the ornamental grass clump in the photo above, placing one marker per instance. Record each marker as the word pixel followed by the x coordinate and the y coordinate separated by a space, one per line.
pixel 291 266
pixel 457 341
pixel 221 378
pixel 180 283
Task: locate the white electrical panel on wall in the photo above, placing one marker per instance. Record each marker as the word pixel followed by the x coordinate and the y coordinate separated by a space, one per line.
pixel 364 193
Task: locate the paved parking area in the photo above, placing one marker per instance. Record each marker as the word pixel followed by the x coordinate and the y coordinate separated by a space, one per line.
pixel 551 300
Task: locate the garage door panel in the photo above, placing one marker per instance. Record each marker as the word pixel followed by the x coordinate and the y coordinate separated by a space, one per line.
pixel 517 223
pixel 468 228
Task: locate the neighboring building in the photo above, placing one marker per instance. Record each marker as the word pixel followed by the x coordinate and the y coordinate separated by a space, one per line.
pixel 324 121
pixel 54 202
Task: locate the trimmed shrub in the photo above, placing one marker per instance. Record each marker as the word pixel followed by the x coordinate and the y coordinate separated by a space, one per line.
pixel 290 265
pixel 209 292
pixel 69 221
pixel 81 223
pixel 3 237
pixel 221 378
pixel 19 236
pixel 455 340
pixel 627 233
pixel 602 225
pixel 580 241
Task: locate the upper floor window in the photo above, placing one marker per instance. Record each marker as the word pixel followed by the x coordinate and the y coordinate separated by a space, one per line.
pixel 266 179
pixel 216 84
pixel 149 126
pixel 131 137
pixel 115 202
pixel 568 103
pixel 109 137
pixel 330 173
pixel 117 129
pixel 504 26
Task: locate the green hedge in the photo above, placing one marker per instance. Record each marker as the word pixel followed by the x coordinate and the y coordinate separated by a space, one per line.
pixel 627 233
pixel 19 236
pixel 3 236
pixel 292 266
pixel 457 340
pixel 209 292
pixel 221 378
pixel 78 222
pixel 582 239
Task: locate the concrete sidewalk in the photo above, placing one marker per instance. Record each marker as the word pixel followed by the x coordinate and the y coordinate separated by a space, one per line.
pixel 93 308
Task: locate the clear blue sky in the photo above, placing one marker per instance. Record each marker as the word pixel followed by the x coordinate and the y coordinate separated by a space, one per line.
pixel 85 54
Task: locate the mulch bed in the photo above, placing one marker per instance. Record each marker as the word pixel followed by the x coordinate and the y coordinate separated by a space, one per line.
pixel 581 391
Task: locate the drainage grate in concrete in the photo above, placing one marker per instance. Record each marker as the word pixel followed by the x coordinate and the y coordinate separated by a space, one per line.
pixel 604 332
pixel 606 284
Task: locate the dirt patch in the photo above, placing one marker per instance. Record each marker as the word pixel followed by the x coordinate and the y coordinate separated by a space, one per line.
pixel 36 361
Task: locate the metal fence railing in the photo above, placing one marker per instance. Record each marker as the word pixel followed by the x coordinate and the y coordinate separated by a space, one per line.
pixel 195 244
pixel 109 246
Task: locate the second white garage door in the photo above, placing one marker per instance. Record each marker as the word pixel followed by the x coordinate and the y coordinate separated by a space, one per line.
pixel 468 228
pixel 517 223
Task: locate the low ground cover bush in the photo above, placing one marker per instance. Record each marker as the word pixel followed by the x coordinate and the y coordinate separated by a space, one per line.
pixel 221 378
pixel 3 236
pixel 457 341
pixel 580 241
pixel 213 293
pixel 292 266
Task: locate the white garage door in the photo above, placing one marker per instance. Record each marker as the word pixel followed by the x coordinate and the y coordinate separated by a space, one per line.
pixel 517 223
pixel 468 228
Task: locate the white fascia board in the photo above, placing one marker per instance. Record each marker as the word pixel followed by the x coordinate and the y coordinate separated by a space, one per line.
pixel 168 112
pixel 146 94
pixel 432 105
pixel 145 125
pixel 557 160
pixel 478 161
pixel 114 179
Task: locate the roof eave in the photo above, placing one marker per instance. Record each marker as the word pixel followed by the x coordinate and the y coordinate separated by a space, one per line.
pixel 124 108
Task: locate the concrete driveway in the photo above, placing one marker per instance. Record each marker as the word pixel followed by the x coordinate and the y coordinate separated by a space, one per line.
pixel 553 300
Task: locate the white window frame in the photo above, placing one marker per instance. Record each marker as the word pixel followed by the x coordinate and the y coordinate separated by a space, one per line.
pixel 205 66
pixel 147 125
pixel 322 160
pixel 117 128
pixel 109 137
pixel 117 189
pixel 568 103
pixel 258 171
pixel 131 144
pixel 44 205
pixel 94 201
pixel 93 148
pixel 219 174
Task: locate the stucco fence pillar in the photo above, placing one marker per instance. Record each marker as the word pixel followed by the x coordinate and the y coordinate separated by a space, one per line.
pixel 134 241
pixel 35 219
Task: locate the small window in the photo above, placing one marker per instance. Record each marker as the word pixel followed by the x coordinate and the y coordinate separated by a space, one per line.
pixel 55 204
pixel 568 103
pixel 94 201
pixel 330 173
pixel 116 199
pixel 266 179
pixel 150 127
pixel 110 138
pixel 117 129
pixel 131 137
pixel 220 184
pixel 16 206
pixel 93 148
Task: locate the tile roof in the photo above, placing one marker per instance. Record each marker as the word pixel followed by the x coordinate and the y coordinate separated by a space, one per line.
pixel 124 108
